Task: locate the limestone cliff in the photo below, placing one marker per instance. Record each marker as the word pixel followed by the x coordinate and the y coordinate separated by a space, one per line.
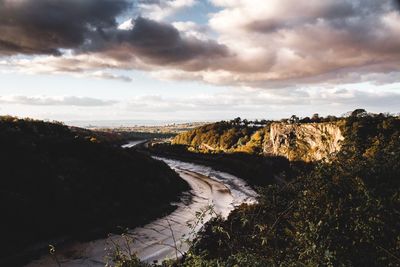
pixel 307 141
pixel 295 141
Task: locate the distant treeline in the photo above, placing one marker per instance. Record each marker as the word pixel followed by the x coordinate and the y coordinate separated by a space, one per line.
pixel 118 137
pixel 125 136
pixel 60 183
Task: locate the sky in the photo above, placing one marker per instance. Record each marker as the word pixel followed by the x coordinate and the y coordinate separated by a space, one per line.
pixel 197 60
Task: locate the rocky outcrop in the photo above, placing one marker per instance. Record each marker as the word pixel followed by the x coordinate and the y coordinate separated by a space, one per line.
pixel 295 141
pixel 307 141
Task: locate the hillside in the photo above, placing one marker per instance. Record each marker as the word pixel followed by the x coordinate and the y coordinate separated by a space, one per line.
pixel 226 136
pixel 57 183
pixel 342 213
pixel 297 141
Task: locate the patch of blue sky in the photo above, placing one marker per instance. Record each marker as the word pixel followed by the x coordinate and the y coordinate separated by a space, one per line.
pixel 198 13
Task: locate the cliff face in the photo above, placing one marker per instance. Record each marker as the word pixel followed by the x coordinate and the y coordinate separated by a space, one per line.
pixel 298 141
pixel 307 142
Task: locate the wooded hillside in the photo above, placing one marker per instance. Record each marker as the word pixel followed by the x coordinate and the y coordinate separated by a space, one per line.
pixel 57 183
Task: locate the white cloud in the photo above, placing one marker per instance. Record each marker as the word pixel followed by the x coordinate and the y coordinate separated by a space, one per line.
pixel 126 25
pixel 85 65
pixel 55 101
pixel 191 29
pixel 259 101
pixel 228 103
pixel 162 9
pixel 109 76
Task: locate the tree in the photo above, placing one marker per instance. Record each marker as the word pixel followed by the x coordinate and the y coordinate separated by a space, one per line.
pixel 306 120
pixel 294 119
pixel 236 121
pixel 359 113
pixel 315 117
pixel 331 118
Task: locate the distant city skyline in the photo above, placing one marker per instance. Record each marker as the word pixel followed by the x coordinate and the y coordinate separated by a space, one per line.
pixel 197 60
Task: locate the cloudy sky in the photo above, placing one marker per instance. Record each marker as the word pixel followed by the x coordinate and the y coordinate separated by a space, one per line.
pixel 197 59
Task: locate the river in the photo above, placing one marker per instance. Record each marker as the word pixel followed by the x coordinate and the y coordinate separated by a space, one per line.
pixel 165 237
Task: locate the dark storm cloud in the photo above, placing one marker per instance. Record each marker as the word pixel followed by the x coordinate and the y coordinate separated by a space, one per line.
pixel 45 26
pixel 89 26
pixel 163 43
pixel 267 44
pixel 156 43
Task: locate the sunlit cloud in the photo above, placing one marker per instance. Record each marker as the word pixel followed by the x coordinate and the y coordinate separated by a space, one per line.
pixel 258 43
